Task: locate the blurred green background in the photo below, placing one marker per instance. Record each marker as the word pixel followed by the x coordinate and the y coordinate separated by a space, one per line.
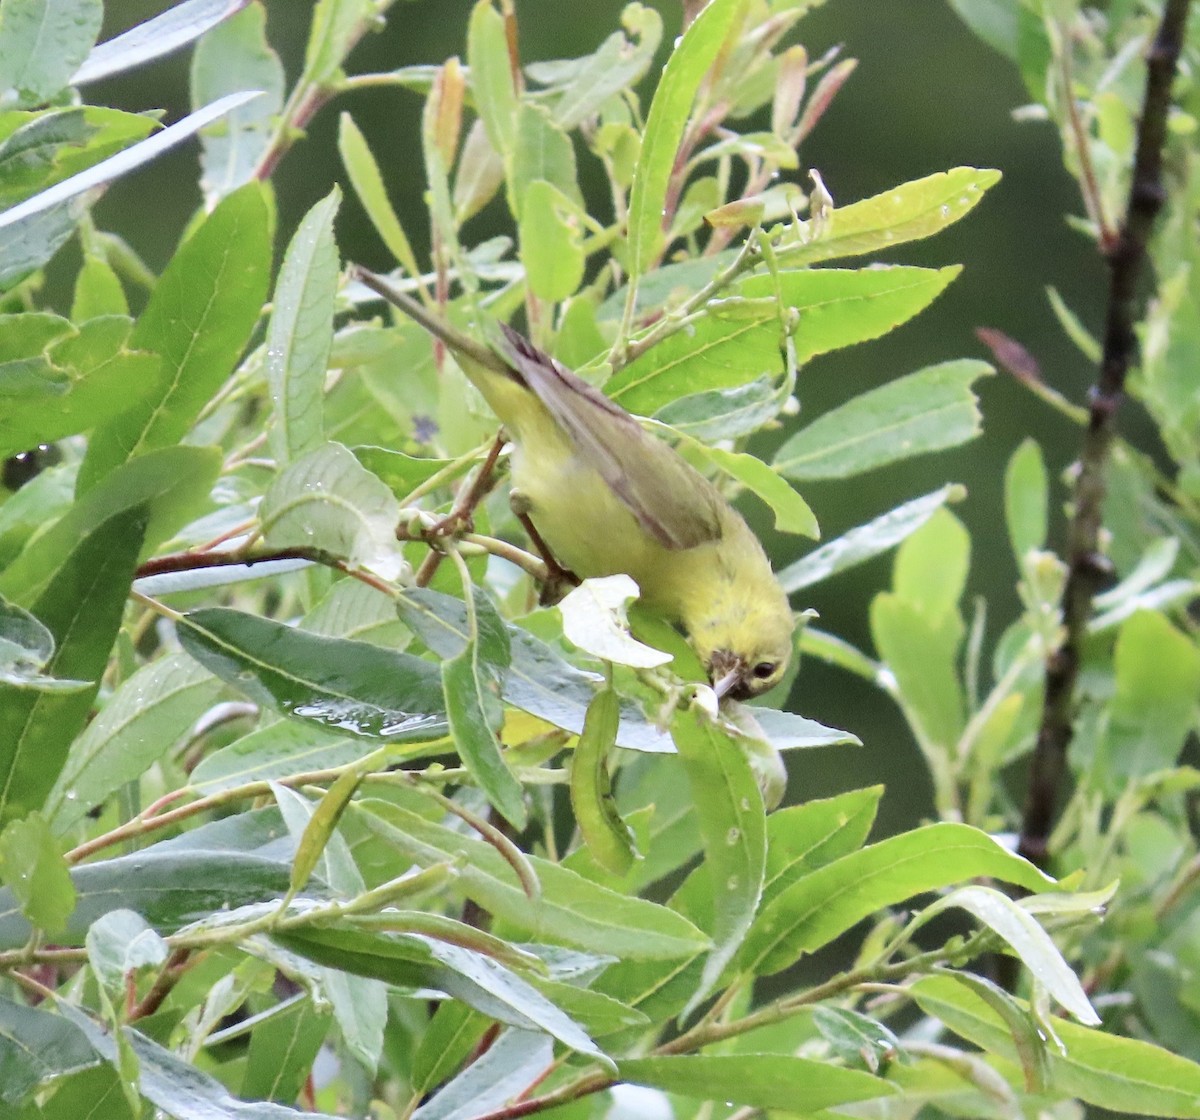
pixel 926 97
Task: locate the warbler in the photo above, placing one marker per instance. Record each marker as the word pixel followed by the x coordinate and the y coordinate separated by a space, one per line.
pixel 607 498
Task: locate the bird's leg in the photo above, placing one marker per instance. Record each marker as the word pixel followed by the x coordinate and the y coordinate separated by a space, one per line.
pixel 461 512
pixel 558 579
pixel 482 481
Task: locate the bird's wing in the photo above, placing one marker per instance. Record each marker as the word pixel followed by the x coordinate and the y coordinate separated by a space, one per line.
pixel 673 503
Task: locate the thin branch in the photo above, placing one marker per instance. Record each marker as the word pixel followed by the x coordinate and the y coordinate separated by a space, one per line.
pixel 1088 567
pixel 193 560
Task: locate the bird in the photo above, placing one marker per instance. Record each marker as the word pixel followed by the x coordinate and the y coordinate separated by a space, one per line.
pixel 607 498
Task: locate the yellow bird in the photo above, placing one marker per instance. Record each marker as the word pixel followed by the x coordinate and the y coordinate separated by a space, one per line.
pixel 609 498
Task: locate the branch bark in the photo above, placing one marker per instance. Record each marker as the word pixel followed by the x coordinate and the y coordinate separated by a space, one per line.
pixel 1088 566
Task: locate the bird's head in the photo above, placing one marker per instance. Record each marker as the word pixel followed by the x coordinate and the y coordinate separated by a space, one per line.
pixel 748 653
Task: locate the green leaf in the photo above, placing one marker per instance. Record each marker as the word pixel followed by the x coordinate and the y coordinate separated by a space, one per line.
pixel 416 961
pixel 81 605
pixel 36 1046
pixel 328 501
pixel 908 212
pixel 283 1047
pixel 235 56
pixel 120 942
pixel 606 835
pixel 594 620
pixel 732 821
pixel 865 541
pixel 349 686
pixel 502 1073
pixel 454 1030
pixel 26 647
pixel 932 565
pixel 166 32
pixel 1026 499
pixel 172 483
pixel 993 21
pixel 617 64
pixel 726 413
pixel 471 683
pixel 53 144
pixel 87 378
pixel 175 1086
pixel 274 752
pixel 319 829
pixel 335 25
pixel 550 236
pixel 694 53
pixel 143 719
pixel 1113 1073
pixel 922 653
pixel 796 1085
pixel 199 319
pixel 478 176
pixel 856 1038
pixel 367 181
pixel 42 43
pixel 539 681
pixel 168 886
pixel 802 838
pixel 39 225
pixel 1154 704
pixel 792 513
pixel 925 411
pixel 492 76
pixel 98 291
pixel 542 151
pixel 1032 944
pixel 403 473
pixel 570 911
pixel 825 903
pixel 33 868
pixel 836 307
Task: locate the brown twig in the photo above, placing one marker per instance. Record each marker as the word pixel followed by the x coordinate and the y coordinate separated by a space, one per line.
pixel 1088 567
pixel 193 560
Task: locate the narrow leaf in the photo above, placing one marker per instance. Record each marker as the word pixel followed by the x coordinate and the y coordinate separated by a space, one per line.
pixel 81 606
pixel 1026 499
pixel 327 500
pixel 143 719
pixel 865 541
pixel 827 902
pixel 349 686
pixel 908 212
pixel 571 910
pixel 837 308
pixel 42 42
pixel 732 821
pixel 606 835
pixel 232 57
pixel 199 318
pixel 1101 1069
pixel 676 90
pixel 926 411
pixel 33 868
pixel 367 181
pixel 166 32
pixel 121 164
pixel 472 683
pixel 1028 940
pixel 774 1081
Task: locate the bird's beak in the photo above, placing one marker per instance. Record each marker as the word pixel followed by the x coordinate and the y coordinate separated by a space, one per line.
pixel 723 684
pixel 726 671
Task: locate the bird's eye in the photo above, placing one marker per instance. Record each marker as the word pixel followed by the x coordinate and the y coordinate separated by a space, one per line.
pixel 765 669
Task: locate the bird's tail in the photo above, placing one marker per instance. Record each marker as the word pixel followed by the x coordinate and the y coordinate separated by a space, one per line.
pixel 459 343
